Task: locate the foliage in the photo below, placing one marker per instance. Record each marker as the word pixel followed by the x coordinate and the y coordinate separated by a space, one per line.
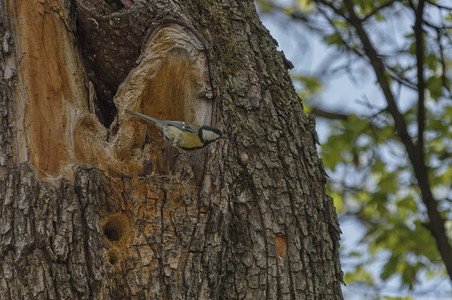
pixel 389 160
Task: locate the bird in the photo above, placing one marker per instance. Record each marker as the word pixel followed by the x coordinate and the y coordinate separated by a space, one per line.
pixel 182 135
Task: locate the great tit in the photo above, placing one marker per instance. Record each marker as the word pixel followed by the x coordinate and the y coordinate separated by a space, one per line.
pixel 183 135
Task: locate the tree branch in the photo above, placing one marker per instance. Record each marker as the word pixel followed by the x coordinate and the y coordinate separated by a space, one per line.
pixel 381 74
pixel 436 222
pixel 386 4
pixel 440 6
pixel 419 40
pixel 319 112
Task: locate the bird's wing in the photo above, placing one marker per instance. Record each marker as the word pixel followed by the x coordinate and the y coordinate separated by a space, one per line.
pixel 184 126
pixel 161 123
pixel 157 122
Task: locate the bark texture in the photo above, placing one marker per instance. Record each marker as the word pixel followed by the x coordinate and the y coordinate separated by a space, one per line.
pixel 96 206
pixel 8 70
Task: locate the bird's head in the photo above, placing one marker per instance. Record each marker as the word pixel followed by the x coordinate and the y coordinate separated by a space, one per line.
pixel 209 134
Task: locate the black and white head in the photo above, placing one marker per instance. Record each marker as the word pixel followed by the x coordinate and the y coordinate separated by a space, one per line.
pixel 209 134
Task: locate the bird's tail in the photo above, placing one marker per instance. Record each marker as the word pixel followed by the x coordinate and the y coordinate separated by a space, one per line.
pixel 157 122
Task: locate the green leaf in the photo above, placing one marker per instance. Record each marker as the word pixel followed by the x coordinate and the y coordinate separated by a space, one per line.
pixel 435 87
pixel 391 266
pixel 359 275
pixel 333 39
pixel 338 201
pixel 310 85
pixel 305 6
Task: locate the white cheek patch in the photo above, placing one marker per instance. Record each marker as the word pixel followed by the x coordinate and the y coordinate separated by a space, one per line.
pixel 208 135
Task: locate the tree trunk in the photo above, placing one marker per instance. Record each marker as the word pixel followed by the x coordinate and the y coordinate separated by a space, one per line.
pixel 95 205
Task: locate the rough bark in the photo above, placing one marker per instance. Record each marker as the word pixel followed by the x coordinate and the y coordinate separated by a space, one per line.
pixel 96 205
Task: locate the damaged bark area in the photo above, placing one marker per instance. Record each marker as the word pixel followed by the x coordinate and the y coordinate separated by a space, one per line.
pixel 58 114
pixel 171 82
pixel 120 222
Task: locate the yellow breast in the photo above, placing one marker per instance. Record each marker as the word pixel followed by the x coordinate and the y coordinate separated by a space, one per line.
pixel 189 141
pixel 182 139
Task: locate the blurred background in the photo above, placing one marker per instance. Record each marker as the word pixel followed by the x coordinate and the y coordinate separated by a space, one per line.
pixel 376 74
